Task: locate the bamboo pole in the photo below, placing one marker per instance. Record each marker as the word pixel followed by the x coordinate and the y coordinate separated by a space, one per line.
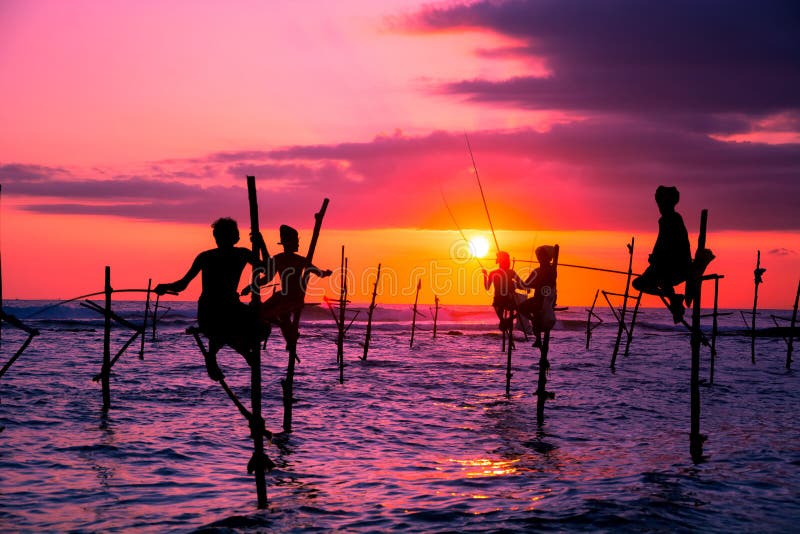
pixel 695 438
pixel 17 354
pixel 414 318
pixel 368 335
pixel 544 364
pixel 508 319
pixel 144 321
pixel 590 312
pixel 257 464
pixel 155 316
pixel 624 305
pixel 342 306
pixel 287 384
pixel 107 341
pixel 756 281
pixel 632 325
pixel 435 314
pixel 714 329
pixel 792 324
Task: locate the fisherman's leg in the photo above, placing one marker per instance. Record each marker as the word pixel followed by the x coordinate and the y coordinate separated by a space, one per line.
pixel 648 282
pixel 214 372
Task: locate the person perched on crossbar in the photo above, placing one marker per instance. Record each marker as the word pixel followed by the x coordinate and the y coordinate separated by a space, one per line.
pixel 539 308
pixel 293 270
pixel 221 316
pixel 671 259
pixel 505 281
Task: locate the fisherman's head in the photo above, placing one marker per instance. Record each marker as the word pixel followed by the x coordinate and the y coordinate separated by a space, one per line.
pixel 503 259
pixel 226 232
pixel 545 254
pixel 667 198
pixel 289 238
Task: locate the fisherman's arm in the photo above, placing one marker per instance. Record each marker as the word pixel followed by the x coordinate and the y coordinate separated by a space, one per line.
pixel 180 285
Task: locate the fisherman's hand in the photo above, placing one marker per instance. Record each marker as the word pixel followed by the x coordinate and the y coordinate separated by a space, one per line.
pixel 326 273
pixel 246 290
pixel 485 274
pixel 162 289
pixel 257 239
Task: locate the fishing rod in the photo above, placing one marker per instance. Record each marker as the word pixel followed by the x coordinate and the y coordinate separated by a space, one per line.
pixel 460 231
pixel 483 197
pixel 96 293
pixel 600 269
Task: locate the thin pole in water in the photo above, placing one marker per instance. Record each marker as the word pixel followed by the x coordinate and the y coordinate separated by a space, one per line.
pixel 791 328
pixel 624 304
pixel 695 438
pixel 107 342
pixel 368 335
pixel 414 318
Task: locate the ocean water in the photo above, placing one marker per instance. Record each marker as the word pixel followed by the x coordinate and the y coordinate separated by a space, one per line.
pixel 417 440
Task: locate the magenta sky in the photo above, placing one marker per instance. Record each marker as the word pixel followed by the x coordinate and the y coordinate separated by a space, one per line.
pixel 154 111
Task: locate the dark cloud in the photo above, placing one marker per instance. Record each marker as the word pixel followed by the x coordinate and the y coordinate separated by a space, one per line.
pixel 637 56
pixel 21 173
pixel 782 252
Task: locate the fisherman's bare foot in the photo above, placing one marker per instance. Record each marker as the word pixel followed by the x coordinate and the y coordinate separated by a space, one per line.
pixel 676 307
pixel 214 372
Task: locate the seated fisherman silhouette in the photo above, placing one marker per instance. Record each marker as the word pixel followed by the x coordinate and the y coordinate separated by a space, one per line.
pixel 505 281
pixel 671 259
pixel 539 308
pixel 292 269
pixel 222 317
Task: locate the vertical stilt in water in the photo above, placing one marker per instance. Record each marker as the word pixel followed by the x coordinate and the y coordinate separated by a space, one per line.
pixel 435 314
pixel 508 319
pixel 368 335
pixel 107 342
pixel 1 282
pixel 624 305
pixel 756 280
pixel 633 324
pixel 714 330
pixel 544 363
pixel 414 318
pixel 589 319
pixel 792 324
pixel 342 306
pixel 257 430
pixel 287 384
pixel 695 438
pixel 146 313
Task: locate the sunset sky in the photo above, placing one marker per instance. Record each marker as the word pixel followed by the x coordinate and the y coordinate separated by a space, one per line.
pixel 128 126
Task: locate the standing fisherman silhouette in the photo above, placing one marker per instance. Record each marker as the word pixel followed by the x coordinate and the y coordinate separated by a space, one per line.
pixel 291 269
pixel 222 317
pixel 671 259
pixel 505 281
pixel 539 308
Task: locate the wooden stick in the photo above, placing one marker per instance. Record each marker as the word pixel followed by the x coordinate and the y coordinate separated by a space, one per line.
pixel 17 354
pixel 508 319
pixel 695 438
pixel 414 318
pixel 544 364
pixel 589 319
pixel 632 325
pixel 287 384
pixel 624 306
pixel 114 316
pixel 258 463
pixel 107 342
pixel 792 324
pixel 714 329
pixel 155 316
pixel 756 281
pixel 342 306
pixel 368 335
pixel 435 314
pixel 144 321
pixel 107 370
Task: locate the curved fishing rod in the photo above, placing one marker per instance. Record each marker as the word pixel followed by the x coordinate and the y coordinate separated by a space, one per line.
pixel 588 268
pixel 460 231
pixel 96 293
pixel 483 197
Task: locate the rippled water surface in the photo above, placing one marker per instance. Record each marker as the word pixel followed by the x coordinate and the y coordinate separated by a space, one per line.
pixel 420 439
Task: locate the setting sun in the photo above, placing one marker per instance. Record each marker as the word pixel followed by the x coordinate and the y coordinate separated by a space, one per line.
pixel 479 246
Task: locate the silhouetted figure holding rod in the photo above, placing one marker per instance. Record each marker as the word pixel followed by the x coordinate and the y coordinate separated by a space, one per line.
pixel 292 270
pixel 505 281
pixel 222 317
pixel 539 308
pixel 671 259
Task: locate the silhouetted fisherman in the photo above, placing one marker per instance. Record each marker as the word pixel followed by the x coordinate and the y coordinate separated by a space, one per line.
pixel 671 259
pixel 222 317
pixel 505 281
pixel 539 308
pixel 290 267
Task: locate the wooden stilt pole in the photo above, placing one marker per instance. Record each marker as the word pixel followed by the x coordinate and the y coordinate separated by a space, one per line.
pixel 590 313
pixel 435 314
pixel 695 438
pixel 144 321
pixel 1 278
pixel 341 321
pixel 368 335
pixel 624 305
pixel 544 363
pixel 756 280
pixel 155 316
pixel 107 341
pixel 792 325
pixel 714 329
pixel 508 319
pixel 414 318
pixel 633 324
pixel 287 384
pixel 258 463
